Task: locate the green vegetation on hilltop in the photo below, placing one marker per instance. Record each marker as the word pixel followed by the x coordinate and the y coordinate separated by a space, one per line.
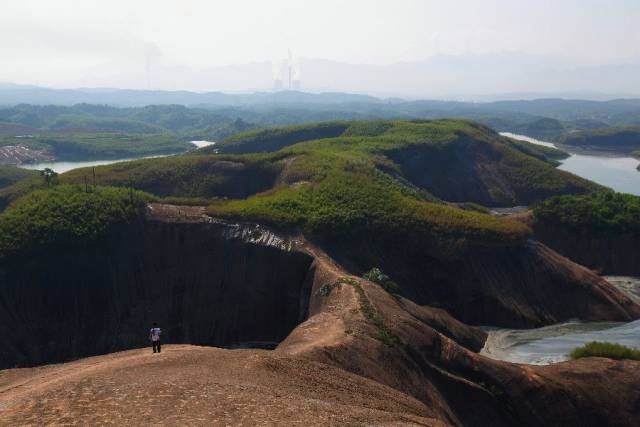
pixel 97 132
pixel 265 140
pixel 360 186
pixel 87 146
pixel 337 190
pixel 621 139
pixel 11 174
pixel 187 176
pixel 19 188
pixel 185 179
pixel 540 152
pixel 376 275
pixel 476 165
pixel 603 211
pixel 87 118
pixel 66 215
pixel 545 129
pixel 605 349
pixel 353 201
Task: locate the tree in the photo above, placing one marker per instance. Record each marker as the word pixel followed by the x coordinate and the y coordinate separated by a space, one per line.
pixel 49 175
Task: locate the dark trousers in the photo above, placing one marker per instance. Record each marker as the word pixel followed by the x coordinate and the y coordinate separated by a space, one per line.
pixel 156 346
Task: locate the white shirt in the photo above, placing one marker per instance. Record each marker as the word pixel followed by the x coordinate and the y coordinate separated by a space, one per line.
pixel 155 334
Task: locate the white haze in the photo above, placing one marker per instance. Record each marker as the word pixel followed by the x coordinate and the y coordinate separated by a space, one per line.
pixel 395 47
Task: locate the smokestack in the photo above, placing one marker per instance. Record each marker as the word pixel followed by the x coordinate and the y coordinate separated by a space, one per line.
pixel 286 73
pixel 289 65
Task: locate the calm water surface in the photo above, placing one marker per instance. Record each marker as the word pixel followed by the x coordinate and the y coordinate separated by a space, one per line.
pixel 553 343
pixel 619 173
pixel 62 167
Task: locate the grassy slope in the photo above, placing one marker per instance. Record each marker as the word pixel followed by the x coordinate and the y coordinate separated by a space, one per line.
pixel 65 215
pixel 335 189
pixel 475 164
pixel 193 178
pixel 546 129
pixel 87 146
pixel 187 176
pixel 10 175
pixel 540 152
pixel 624 139
pixel 265 140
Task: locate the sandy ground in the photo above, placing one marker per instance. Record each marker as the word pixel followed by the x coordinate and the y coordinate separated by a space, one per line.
pixel 190 385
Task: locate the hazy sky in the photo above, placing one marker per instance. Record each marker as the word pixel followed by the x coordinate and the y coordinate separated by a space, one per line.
pixel 66 43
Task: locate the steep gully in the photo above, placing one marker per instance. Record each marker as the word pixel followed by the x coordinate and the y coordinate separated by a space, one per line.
pixel 214 283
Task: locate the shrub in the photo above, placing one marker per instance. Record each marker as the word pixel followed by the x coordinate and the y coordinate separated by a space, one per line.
pixel 602 211
pixel 376 275
pixel 185 201
pixel 605 349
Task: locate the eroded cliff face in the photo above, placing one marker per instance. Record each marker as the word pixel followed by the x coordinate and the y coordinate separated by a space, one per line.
pixel 212 283
pixel 204 283
pixel 484 172
pixel 519 287
pixel 608 253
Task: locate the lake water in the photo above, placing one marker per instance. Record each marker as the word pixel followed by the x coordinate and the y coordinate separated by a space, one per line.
pixel 617 172
pixel 201 144
pixel 528 139
pixel 553 343
pixel 61 167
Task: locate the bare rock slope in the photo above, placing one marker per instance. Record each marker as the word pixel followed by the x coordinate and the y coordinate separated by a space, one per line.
pixel 359 356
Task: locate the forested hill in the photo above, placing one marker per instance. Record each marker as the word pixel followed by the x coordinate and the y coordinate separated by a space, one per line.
pixel 541 118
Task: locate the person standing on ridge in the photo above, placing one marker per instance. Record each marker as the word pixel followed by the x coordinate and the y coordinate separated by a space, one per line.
pixel 154 336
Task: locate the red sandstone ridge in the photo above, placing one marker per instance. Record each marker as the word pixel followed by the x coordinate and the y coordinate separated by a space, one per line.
pixel 360 357
pixel 349 352
pixel 191 385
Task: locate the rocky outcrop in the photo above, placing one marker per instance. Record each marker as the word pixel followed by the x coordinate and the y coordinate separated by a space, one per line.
pixel 20 154
pixel 608 253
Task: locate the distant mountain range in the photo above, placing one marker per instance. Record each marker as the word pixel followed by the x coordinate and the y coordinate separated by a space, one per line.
pixel 468 77
pixel 17 94
pixel 479 77
pixel 11 94
pixel 218 115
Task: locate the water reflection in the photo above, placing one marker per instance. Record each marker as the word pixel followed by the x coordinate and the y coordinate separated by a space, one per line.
pixel 552 344
pixel 62 166
pixel 617 172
